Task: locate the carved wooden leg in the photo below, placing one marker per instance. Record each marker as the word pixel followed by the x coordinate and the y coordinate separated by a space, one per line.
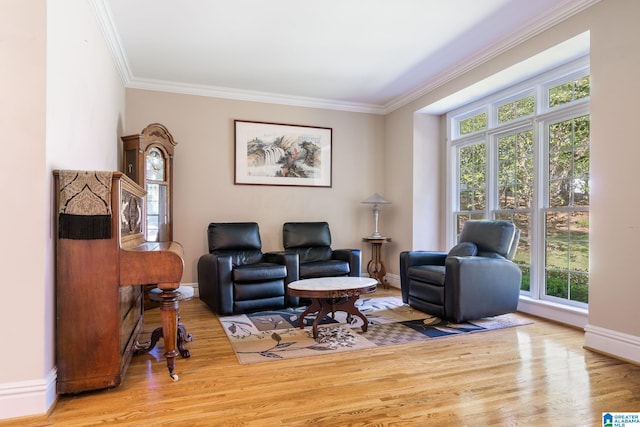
pixel 349 307
pixel 376 267
pixel 183 337
pixel 141 348
pixel 326 307
pixel 313 308
pixel 169 313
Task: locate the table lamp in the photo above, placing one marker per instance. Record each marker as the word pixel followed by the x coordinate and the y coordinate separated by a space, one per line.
pixel 376 200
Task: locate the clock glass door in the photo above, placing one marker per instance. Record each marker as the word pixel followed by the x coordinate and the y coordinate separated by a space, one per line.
pixel 156 212
pixel 157 194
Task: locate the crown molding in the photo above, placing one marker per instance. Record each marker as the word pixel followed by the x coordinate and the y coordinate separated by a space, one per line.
pixel 251 96
pixel 564 10
pixel 102 12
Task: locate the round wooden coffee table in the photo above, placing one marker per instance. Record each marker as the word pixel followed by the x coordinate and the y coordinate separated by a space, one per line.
pixel 331 294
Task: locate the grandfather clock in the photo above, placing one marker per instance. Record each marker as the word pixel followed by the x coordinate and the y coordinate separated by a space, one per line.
pixel 148 160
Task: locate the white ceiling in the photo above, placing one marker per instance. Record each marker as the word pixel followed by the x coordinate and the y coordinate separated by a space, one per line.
pixel 356 55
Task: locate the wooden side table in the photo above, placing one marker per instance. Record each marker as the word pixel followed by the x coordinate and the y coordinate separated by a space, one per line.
pixel 375 267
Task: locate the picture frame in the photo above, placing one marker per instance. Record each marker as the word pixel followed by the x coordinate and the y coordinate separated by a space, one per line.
pixel 282 154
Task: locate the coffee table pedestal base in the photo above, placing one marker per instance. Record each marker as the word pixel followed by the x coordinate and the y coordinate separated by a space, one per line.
pixel 324 306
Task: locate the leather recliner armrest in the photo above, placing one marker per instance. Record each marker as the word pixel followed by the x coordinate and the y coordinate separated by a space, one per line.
pixel 475 286
pixel 214 282
pixel 423 258
pixel 351 256
pixel 413 258
pixel 292 261
pixel 289 259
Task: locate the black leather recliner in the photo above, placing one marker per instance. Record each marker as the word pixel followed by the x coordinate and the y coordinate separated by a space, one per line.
pixel 236 277
pixel 475 279
pixel 311 241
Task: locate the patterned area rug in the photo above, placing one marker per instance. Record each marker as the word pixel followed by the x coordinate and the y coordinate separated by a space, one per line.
pixel 272 335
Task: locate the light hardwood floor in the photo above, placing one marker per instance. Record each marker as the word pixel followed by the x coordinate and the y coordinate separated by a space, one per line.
pixel 535 375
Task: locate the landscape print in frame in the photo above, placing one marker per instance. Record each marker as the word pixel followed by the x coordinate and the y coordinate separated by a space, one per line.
pixel 282 154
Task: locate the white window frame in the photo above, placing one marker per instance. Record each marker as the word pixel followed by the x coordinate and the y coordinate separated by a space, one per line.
pixel 538 122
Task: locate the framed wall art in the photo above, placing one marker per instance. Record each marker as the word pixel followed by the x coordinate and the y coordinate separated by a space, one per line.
pixel 282 154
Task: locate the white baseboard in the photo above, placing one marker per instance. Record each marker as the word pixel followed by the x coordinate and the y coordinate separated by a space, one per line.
pixel 28 398
pixel 393 280
pixel 612 343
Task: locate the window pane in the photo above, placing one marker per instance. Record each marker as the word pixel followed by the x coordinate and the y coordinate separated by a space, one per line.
pixel 472 178
pixel 559 192
pixel 557 254
pixel 571 91
pixel 579 227
pixel 479 200
pixel 581 190
pixel 507 197
pixel 560 164
pixel 473 124
pixel 579 287
pixel 569 162
pixel 567 255
pixel 582 87
pixel 579 256
pixel 465 200
pixel 515 170
pixel 523 254
pixel 556 284
pixel 525 106
pixel 516 109
pixel 560 136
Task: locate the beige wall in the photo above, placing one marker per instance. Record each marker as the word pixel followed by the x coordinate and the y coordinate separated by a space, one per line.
pixel 24 192
pixel 61 107
pixel 204 170
pixel 615 153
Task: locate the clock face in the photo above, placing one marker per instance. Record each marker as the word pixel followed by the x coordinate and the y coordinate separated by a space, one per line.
pixel 154 165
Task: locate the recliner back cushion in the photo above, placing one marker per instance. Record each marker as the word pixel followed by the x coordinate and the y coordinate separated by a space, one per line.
pixel 305 234
pixel 313 254
pixel 240 240
pixel 242 257
pixel 311 240
pixel 490 236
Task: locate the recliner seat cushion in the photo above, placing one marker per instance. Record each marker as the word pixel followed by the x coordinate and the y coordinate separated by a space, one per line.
pixel 427 293
pixel 434 274
pixel 255 291
pixel 324 269
pixel 259 272
pixel 248 306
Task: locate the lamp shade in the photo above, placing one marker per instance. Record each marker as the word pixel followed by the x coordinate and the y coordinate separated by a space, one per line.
pixel 376 199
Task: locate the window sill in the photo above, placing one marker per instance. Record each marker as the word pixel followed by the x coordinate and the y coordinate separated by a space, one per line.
pixel 572 316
